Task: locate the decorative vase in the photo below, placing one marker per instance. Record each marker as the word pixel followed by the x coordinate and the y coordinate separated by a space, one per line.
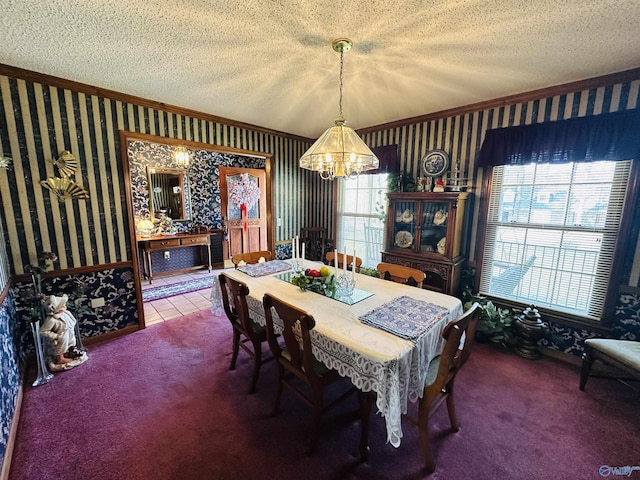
pixel 43 374
pixel 530 329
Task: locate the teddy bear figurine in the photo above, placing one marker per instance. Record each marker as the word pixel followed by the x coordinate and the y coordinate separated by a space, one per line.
pixel 58 330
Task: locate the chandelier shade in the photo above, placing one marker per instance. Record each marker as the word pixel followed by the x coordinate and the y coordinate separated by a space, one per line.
pixel 339 152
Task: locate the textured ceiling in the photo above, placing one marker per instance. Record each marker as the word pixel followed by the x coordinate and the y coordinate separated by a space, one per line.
pixel 270 63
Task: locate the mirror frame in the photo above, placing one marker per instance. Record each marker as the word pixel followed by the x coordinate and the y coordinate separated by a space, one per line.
pixel 183 176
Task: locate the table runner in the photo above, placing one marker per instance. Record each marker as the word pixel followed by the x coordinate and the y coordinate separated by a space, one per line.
pixel 405 317
pixel 265 268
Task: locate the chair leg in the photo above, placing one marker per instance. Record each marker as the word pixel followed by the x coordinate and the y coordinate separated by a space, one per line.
pixel 587 362
pixel 257 361
pixel 451 408
pixel 316 425
pixel 236 347
pixel 423 429
pixel 365 400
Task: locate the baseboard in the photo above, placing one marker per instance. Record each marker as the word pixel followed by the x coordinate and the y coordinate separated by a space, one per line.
pixel 562 356
pixel 8 453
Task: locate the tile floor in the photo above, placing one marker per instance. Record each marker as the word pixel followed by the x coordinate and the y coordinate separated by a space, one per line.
pixel 165 309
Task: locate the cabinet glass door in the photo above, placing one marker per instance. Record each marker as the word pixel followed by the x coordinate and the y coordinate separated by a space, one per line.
pixel 433 235
pixel 404 225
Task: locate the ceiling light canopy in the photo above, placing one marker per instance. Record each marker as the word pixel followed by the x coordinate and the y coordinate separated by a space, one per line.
pixel 339 152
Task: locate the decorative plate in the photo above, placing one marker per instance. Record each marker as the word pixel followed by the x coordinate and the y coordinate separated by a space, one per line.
pixel 407 216
pixel 435 163
pixel 440 217
pixel 404 239
pixel 441 245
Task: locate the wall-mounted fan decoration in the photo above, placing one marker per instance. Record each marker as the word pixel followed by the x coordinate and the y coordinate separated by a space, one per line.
pixel 64 187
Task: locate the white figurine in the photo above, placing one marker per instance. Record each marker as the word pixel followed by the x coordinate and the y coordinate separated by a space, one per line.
pixel 58 330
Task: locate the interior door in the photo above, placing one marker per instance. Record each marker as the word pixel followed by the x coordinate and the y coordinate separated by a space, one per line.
pixel 246 227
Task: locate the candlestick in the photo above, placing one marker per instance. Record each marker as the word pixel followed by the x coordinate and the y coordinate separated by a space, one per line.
pixel 293 248
pixel 344 260
pixel 302 255
pixel 353 266
pixel 297 246
pixel 335 261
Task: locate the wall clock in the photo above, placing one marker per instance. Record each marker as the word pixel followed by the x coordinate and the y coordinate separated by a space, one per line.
pixel 435 163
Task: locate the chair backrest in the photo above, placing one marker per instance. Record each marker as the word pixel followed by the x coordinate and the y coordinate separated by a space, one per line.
pixel 454 356
pixel 401 274
pixel 373 239
pixel 250 257
pixel 297 340
pixel 331 256
pixel 234 301
pixel 315 240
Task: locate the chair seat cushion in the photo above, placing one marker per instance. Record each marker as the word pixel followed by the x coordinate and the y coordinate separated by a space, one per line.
pixel 626 352
pixel 255 326
pixel 320 368
pixel 432 371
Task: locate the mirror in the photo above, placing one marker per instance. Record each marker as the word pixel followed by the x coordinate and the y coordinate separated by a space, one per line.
pixel 168 192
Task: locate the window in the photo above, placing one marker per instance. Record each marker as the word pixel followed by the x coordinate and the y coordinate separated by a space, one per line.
pixel 360 204
pixel 551 234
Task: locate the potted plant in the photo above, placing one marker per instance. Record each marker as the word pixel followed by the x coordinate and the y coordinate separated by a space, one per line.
pixel 495 324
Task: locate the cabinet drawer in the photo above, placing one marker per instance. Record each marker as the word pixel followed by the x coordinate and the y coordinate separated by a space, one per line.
pixel 203 240
pixel 169 242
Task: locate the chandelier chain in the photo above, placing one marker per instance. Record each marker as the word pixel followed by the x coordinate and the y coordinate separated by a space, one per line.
pixel 341 67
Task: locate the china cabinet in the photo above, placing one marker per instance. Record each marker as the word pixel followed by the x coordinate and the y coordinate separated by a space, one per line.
pixel 424 231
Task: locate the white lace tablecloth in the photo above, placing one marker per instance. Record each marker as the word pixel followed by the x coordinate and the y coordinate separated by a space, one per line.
pixel 374 359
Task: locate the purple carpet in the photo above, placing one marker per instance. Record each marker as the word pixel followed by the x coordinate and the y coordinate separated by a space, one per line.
pixel 162 404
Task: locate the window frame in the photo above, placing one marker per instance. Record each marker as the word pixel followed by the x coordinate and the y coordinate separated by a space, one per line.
pixel 617 274
pixel 340 189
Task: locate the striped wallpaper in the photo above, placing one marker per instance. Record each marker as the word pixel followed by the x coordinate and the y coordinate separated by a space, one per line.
pixel 38 121
pixel 462 135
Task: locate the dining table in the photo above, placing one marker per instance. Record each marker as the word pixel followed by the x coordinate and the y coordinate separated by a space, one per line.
pixel 360 334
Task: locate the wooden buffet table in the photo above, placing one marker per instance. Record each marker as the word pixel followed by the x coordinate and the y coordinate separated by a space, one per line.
pixel 166 242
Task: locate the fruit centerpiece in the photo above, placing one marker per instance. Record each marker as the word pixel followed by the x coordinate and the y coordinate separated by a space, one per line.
pixel 320 281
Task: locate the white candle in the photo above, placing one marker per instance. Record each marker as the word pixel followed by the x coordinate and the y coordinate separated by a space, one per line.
pixel 353 266
pixel 297 246
pixel 335 261
pixel 293 248
pixel 344 260
pixel 303 255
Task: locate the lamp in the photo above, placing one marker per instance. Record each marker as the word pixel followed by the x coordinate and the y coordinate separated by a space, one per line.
pixel 339 152
pixel 182 157
pixel 145 227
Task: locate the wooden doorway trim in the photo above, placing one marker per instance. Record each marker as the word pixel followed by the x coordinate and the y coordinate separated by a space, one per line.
pixel 125 138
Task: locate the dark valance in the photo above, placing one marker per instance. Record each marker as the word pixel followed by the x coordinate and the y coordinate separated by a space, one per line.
pixel 611 136
pixel 389 161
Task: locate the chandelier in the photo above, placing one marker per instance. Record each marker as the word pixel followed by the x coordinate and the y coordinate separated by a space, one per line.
pixel 182 157
pixel 339 152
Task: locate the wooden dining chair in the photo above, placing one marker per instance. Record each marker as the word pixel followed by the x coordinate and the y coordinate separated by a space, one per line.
pixel 295 357
pixel 316 241
pixel 331 256
pixel 250 257
pixel 401 274
pixel 245 330
pixel 441 376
